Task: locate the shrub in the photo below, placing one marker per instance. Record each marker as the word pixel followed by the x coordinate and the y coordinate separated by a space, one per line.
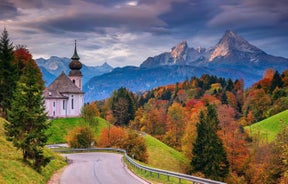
pixel 111 137
pixel 80 137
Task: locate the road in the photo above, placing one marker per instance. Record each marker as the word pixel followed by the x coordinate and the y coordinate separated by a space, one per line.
pixel 98 168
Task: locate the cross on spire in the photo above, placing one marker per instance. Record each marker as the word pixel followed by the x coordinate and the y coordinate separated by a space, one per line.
pixel 75 55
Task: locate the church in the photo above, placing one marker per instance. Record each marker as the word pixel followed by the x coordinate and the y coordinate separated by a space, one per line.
pixel 64 96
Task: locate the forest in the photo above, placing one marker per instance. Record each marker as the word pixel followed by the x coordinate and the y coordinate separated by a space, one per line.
pixel 205 118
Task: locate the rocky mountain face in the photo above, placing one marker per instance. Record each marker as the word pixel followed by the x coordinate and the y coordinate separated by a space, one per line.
pixel 233 57
pixel 232 50
pixel 52 68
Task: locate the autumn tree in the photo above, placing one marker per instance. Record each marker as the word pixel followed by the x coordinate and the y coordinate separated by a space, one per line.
pixel 176 122
pixel 27 116
pixel 80 137
pixel 135 146
pixel 8 75
pixel 111 137
pixel 234 139
pixel 89 112
pixel 278 168
pixel 151 118
pixel 258 102
pixel 209 155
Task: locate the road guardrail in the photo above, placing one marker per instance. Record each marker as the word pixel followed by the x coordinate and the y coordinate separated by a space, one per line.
pixel 193 179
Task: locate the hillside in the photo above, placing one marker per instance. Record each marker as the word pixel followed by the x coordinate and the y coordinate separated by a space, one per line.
pixel 13 170
pixel 268 129
pixel 60 127
pixel 171 159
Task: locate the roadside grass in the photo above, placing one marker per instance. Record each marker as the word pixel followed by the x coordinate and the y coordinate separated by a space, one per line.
pixel 13 170
pixel 155 178
pixel 160 155
pixel 164 157
pixel 60 128
pixel 267 129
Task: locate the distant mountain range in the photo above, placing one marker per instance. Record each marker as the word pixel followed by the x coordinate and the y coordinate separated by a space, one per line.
pixel 233 57
pixel 52 68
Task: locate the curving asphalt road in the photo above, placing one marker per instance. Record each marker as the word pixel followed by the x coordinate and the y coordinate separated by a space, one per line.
pixel 98 168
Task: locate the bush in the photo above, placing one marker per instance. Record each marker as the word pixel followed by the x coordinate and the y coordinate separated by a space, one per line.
pixel 111 137
pixel 80 137
pixel 129 140
pixel 135 146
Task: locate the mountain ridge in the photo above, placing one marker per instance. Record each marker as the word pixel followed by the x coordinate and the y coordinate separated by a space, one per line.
pixel 54 66
pixel 232 57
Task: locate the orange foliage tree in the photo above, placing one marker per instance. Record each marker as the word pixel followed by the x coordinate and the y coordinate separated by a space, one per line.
pixel 151 118
pixel 80 137
pixel 111 137
pixel 176 123
pixel 234 139
pixel 129 140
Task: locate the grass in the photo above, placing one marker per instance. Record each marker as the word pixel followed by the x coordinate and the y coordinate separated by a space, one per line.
pixel 155 178
pixel 267 129
pixel 160 155
pixel 13 170
pixel 60 128
pixel 164 157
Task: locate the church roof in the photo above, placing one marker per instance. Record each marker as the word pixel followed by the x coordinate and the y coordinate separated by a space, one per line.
pixel 62 84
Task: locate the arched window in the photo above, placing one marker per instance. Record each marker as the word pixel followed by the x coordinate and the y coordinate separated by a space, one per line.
pixel 73 81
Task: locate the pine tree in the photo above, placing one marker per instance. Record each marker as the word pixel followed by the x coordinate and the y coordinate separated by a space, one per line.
pixel 27 117
pixel 8 74
pixel 123 106
pixel 276 82
pixel 209 156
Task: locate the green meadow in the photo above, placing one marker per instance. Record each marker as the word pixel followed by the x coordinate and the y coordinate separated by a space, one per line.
pixel 267 129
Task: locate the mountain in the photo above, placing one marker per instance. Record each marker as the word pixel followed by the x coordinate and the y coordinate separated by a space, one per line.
pixel 52 68
pixel 233 57
pixel 232 46
pixel 179 55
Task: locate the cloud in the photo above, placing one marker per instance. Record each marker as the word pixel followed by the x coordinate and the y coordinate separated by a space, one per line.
pixel 7 10
pixel 128 31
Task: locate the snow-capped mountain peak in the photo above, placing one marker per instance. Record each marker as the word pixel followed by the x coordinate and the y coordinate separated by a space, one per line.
pixel 179 50
pixel 231 43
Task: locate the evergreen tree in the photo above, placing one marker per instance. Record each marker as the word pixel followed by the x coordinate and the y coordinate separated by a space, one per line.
pixel 27 117
pixel 209 156
pixel 8 74
pixel 123 106
pixel 276 82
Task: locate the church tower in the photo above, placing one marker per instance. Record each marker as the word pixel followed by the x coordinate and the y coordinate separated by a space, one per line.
pixel 75 66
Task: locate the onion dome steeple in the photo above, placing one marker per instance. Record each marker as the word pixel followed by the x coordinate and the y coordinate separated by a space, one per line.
pixel 75 55
pixel 75 65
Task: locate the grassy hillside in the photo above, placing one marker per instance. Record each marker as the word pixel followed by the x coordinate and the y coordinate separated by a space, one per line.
pixel 13 170
pixel 164 157
pixel 170 158
pixel 266 130
pixel 60 127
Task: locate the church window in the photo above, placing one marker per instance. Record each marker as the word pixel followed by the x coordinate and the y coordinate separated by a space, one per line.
pixel 72 102
pixel 73 81
pixel 63 104
pixel 54 104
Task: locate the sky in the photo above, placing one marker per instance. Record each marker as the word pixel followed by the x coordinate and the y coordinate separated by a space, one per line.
pixel 126 32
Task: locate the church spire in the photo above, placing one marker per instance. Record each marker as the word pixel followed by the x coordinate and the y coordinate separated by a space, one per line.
pixel 75 55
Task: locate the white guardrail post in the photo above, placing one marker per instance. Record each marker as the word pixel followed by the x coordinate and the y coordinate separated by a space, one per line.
pixel 194 179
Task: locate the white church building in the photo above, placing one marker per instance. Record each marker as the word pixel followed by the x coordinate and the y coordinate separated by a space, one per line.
pixel 64 96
